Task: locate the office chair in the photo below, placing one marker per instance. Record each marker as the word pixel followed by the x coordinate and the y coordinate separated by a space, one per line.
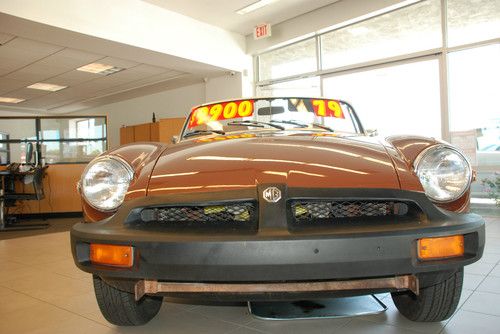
pixel 9 197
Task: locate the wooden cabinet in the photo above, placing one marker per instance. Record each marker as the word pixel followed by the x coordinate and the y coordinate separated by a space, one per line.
pixel 161 131
pixel 167 128
pixel 126 135
pixel 59 185
pixel 142 132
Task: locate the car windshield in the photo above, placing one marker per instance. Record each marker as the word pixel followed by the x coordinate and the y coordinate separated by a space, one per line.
pixel 309 114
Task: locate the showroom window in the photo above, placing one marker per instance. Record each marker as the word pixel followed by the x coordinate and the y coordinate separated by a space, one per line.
pixel 362 58
pixel 423 68
pixel 299 88
pixel 470 21
pixel 410 29
pixel 57 139
pixel 474 113
pixel 395 99
pixel 290 60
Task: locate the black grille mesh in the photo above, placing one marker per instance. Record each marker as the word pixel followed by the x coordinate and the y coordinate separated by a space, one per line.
pixel 305 211
pixel 221 213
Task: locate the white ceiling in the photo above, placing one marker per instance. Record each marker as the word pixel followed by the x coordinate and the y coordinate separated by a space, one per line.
pixel 32 52
pixel 222 13
pixel 24 62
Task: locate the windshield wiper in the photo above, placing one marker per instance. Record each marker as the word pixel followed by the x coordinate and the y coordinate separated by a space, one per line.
pixel 290 122
pixel 324 127
pixel 303 125
pixel 256 124
pixel 202 132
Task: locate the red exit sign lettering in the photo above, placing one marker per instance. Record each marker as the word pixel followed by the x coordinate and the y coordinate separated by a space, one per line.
pixel 262 31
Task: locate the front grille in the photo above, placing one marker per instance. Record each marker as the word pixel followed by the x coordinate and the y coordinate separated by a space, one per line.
pixel 231 214
pixel 316 211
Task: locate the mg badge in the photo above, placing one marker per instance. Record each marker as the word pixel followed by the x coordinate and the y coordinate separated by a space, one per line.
pixel 272 194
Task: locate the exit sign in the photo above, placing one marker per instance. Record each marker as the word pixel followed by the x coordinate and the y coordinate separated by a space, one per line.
pixel 262 31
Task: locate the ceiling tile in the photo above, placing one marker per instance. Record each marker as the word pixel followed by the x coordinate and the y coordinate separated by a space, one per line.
pixel 104 82
pixel 34 47
pixel 141 82
pixel 17 96
pixel 117 62
pixel 21 52
pixel 72 78
pixel 172 74
pixel 35 73
pixel 70 59
pixel 4 38
pixel 28 93
pixel 54 65
pixel 8 85
pixel 135 77
pixel 150 69
pixel 46 100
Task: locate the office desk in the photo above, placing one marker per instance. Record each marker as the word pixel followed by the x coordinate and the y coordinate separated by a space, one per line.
pixel 3 185
pixel 3 175
pixel 15 174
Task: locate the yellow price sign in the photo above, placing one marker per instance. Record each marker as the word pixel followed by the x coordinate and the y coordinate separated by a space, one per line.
pixel 220 111
pixel 328 108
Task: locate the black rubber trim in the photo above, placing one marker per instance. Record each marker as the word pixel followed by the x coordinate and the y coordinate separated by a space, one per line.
pixel 276 253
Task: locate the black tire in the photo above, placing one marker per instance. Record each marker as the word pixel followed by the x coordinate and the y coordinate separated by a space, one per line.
pixel 434 303
pixel 120 308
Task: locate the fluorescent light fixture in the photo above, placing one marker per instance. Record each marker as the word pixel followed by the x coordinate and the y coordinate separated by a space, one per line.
pixel 254 6
pixel 46 86
pixel 98 68
pixel 10 100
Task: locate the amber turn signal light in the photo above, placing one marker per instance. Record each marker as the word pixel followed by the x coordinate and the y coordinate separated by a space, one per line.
pixel 112 255
pixel 439 248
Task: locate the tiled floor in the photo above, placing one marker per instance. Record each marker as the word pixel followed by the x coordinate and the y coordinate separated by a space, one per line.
pixel 41 291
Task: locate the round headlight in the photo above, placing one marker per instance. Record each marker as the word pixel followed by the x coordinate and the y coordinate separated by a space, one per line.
pixel 444 173
pixel 105 182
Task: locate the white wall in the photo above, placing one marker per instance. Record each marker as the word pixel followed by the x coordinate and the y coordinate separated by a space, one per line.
pixel 225 87
pixel 171 103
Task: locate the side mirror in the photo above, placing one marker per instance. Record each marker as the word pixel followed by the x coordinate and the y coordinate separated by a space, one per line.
pixel 371 132
pixel 175 139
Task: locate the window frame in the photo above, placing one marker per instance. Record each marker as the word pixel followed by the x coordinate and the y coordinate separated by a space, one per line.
pixel 440 52
pixel 38 140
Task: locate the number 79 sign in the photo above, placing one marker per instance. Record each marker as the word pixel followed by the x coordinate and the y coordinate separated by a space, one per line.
pixel 328 108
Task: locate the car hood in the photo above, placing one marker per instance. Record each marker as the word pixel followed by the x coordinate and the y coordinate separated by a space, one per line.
pixel 309 160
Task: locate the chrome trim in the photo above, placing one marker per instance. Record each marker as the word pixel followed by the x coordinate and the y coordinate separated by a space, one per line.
pixel 124 163
pixel 426 151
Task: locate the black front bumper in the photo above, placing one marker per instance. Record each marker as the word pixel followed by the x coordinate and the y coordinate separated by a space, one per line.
pixel 276 253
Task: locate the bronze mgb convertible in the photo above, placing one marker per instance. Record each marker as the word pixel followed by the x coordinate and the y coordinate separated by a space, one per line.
pixel 277 199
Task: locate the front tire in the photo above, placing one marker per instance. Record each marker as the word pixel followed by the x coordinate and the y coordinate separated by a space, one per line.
pixel 434 303
pixel 120 308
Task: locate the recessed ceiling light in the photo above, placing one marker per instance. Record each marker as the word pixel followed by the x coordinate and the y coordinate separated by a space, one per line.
pixel 254 6
pixel 46 86
pixel 99 68
pixel 10 100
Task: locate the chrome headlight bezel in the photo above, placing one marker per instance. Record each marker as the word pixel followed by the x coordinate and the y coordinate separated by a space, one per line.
pixel 109 158
pixel 440 147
